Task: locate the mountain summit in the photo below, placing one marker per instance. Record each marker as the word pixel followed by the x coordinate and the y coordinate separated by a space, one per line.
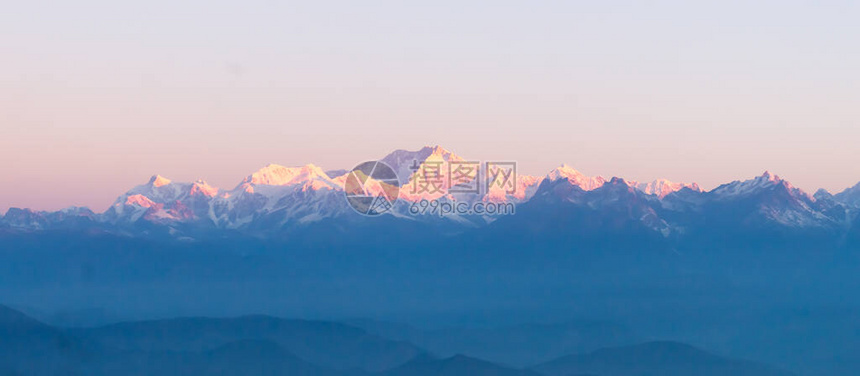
pixel 587 183
pixel 158 181
pixel 279 175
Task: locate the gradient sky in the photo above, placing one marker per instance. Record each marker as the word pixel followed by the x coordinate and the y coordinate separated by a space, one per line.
pixel 96 96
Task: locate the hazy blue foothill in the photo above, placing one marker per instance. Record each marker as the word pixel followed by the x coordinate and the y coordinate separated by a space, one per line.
pixel 262 345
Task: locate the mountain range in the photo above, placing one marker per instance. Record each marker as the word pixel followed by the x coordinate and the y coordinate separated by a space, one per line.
pixel 279 200
pixel 727 269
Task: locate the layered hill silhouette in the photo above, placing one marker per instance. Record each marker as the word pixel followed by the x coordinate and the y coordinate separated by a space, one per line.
pixel 455 366
pixel 333 345
pixel 654 358
pixel 262 345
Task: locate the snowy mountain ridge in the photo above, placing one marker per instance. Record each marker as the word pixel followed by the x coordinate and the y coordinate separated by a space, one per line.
pixel 277 197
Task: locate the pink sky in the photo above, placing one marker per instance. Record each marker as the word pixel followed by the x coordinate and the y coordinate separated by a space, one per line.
pixel 97 97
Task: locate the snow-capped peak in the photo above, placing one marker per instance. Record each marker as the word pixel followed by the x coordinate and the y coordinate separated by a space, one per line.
pixel 405 162
pixel 427 152
pixel 765 180
pixel 575 177
pixel 662 187
pixel 767 176
pixel 436 150
pixel 158 181
pixel 279 175
pixel 202 187
pixel 564 171
pixel 850 196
